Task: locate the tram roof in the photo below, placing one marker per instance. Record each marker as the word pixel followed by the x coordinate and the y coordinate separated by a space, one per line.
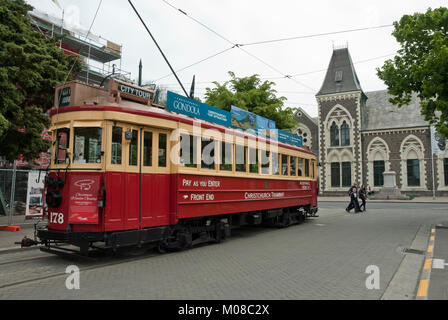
pixel 136 108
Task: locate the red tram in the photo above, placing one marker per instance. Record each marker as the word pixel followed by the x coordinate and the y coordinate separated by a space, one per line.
pixel 126 172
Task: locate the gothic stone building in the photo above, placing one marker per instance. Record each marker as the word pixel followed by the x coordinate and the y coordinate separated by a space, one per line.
pixel 358 135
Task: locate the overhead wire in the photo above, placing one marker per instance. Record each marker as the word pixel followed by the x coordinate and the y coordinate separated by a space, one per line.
pixel 237 45
pixel 301 74
pixel 315 35
pixel 158 47
pixel 195 63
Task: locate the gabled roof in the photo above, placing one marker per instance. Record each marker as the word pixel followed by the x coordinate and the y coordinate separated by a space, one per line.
pixel 299 109
pixel 380 114
pixel 341 75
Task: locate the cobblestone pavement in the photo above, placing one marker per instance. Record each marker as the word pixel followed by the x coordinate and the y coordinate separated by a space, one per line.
pixel 324 258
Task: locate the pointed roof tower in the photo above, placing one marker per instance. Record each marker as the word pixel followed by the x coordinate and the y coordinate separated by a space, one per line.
pixel 341 75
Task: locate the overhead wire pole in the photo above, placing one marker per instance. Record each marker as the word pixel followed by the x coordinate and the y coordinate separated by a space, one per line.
pixel 158 47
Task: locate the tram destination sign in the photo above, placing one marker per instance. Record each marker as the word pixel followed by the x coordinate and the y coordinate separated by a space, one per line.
pixel 196 109
pixel 130 92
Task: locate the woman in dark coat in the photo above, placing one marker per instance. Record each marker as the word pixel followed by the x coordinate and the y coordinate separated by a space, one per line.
pixel 353 200
pixel 363 197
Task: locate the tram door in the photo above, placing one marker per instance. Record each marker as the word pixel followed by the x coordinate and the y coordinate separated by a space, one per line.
pixel 155 177
pixel 138 181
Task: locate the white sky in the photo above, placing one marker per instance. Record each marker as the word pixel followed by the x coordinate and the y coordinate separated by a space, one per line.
pixel 185 42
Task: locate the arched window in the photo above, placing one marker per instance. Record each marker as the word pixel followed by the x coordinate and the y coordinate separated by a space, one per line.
pixel 413 169
pixel 334 135
pixel 345 134
pixel 412 163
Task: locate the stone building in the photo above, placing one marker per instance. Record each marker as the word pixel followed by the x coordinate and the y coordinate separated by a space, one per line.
pixel 361 134
pixel 307 129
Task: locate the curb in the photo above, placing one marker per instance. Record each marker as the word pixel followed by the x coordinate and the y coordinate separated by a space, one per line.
pixel 422 292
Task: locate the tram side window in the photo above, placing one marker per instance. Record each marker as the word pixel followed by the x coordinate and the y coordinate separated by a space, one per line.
pixel 62 144
pixel 87 145
pixel 188 148
pixel 226 156
pixel 300 167
pixel 292 166
pixel 133 149
pixel 240 155
pixel 275 164
pixel 312 169
pixel 307 167
pixel 117 135
pixel 147 149
pixel 284 165
pixel 162 149
pixel 207 153
pixel 265 161
pixel 253 160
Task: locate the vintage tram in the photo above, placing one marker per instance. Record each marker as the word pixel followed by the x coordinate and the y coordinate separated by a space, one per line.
pixel 127 172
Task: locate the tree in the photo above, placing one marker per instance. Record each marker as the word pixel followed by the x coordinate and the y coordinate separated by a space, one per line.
pixel 421 65
pixel 251 94
pixel 30 67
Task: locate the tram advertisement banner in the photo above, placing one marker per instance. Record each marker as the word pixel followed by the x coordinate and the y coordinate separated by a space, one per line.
pixel 246 120
pixel 34 201
pixel 243 119
pixel 290 138
pixel 83 201
pixel 196 109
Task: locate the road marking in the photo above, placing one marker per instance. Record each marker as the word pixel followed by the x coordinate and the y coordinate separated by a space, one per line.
pixel 423 288
pixel 422 293
pixel 439 264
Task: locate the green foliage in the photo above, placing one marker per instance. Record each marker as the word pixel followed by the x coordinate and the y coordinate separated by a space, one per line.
pixel 251 94
pixel 421 65
pixel 30 67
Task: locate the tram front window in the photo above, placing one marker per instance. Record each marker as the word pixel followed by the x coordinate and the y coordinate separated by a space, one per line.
pixel 87 145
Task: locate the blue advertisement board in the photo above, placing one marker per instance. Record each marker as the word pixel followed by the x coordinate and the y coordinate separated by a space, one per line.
pixel 196 109
pixel 246 120
pixel 243 119
pixel 289 138
pixel 265 123
pixel 237 118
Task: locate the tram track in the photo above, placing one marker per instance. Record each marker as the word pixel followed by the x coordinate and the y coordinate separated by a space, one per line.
pixel 57 267
pixel 22 260
pixel 122 260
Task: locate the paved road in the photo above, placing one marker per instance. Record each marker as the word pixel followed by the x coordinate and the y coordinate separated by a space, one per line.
pixel 324 258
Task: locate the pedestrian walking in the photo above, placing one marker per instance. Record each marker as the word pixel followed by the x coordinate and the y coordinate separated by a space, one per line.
pixel 363 197
pixel 354 203
pixel 349 192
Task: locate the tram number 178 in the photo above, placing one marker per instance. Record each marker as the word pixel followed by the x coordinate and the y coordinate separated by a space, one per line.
pixel 56 217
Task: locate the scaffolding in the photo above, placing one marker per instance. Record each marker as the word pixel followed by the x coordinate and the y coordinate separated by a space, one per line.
pixel 100 57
